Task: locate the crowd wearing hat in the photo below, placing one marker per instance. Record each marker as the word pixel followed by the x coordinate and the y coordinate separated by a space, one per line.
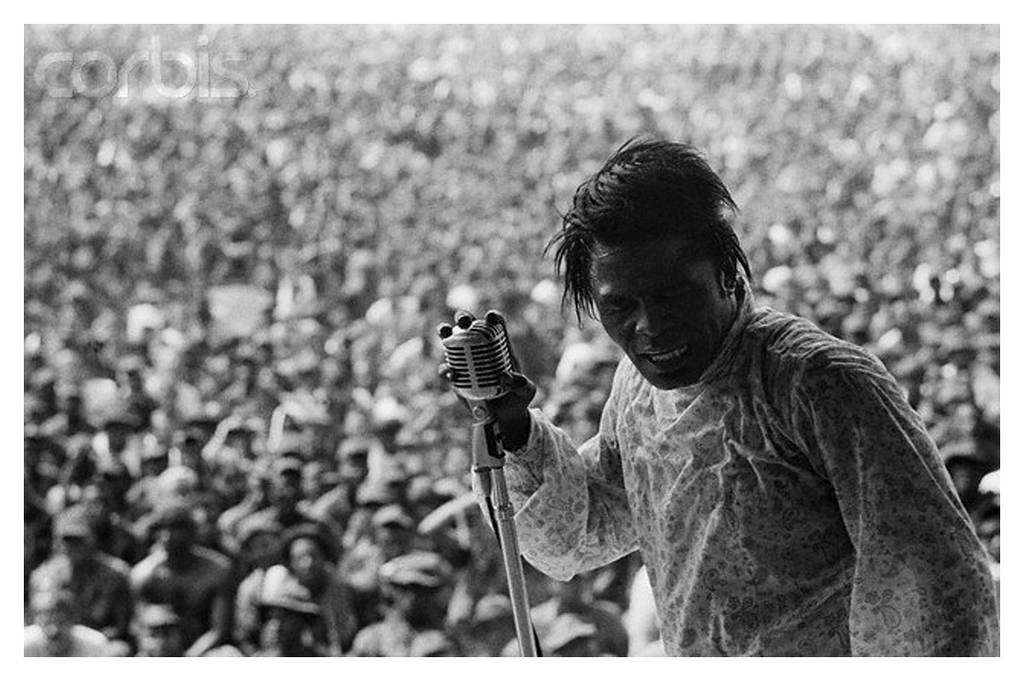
pixel 236 441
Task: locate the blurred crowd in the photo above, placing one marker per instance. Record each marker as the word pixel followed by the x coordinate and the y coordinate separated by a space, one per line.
pixel 236 442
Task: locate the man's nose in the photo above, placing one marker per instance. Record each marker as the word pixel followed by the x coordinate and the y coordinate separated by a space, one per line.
pixel 650 319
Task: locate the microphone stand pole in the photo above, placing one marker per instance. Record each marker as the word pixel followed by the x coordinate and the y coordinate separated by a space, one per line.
pixel 488 466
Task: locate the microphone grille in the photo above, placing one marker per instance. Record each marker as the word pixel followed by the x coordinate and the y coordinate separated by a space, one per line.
pixel 478 356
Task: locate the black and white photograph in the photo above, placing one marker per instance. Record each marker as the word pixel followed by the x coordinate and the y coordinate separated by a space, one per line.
pixel 511 340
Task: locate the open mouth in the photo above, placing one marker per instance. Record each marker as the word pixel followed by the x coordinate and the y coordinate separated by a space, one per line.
pixel 667 359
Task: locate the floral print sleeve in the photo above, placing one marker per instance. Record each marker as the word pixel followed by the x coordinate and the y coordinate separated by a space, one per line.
pixel 573 513
pixel 921 584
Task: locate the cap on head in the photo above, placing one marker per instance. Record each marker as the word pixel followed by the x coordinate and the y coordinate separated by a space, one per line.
pixel 282 590
pixel 178 480
pixel 253 526
pixel 353 446
pixel 157 615
pixel 419 568
pixel 392 514
pixel 431 643
pixel 374 491
pixel 492 607
pixel 565 629
pixel 74 521
pixel 289 462
pixel 420 490
pixel 310 531
pixel 174 514
pixel 121 418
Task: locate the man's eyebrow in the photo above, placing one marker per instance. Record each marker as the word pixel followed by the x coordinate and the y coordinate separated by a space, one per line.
pixel 675 286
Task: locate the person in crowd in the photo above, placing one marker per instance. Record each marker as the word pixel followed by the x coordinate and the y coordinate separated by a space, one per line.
pixel 491 627
pixel 116 443
pixel 97 583
pixel 336 506
pixel 292 625
pixel 576 597
pixel 567 635
pixel 570 635
pixel 257 498
pixel 286 495
pixel 103 497
pixel 76 473
pixel 310 557
pixel 415 586
pixel 158 631
pixel 434 643
pixel 183 485
pixel 54 632
pixel 373 494
pixel 390 536
pixel 724 423
pixel 195 581
pixel 260 547
pixel 139 404
pixel 141 497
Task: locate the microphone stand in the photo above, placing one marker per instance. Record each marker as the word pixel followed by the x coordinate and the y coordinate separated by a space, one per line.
pixel 488 466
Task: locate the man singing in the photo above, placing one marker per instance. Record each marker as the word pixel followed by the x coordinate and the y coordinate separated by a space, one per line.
pixel 784 496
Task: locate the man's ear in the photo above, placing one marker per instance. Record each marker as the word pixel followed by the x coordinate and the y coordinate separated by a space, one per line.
pixel 726 283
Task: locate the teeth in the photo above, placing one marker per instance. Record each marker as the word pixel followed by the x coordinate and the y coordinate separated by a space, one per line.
pixel 668 356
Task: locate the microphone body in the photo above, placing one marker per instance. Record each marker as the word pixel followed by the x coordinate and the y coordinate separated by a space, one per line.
pixel 478 355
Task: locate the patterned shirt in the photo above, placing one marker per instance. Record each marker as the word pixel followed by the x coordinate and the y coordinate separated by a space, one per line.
pixel 789 503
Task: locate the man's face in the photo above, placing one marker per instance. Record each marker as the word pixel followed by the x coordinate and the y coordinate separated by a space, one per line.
pixel 240 440
pixel 288 633
pixel 665 304
pixel 354 467
pixel 306 560
pixel 419 604
pixel 393 538
pixel 77 548
pixel 176 538
pixel 163 641
pixel 191 452
pixel 288 490
pixel 580 647
pixel 153 466
pixel 117 435
pixel 262 550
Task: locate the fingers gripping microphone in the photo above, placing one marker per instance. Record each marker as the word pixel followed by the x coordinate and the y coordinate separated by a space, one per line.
pixel 478 355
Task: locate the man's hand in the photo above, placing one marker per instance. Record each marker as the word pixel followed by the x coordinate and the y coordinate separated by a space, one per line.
pixel 511 410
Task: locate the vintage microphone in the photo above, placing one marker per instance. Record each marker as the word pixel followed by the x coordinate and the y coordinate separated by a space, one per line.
pixel 478 355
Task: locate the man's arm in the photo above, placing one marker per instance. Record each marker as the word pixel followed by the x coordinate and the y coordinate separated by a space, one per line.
pixel 921 584
pixel 572 512
pixel 221 618
pixel 122 605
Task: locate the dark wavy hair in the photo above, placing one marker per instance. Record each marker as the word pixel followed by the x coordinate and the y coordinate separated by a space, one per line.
pixel 646 190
